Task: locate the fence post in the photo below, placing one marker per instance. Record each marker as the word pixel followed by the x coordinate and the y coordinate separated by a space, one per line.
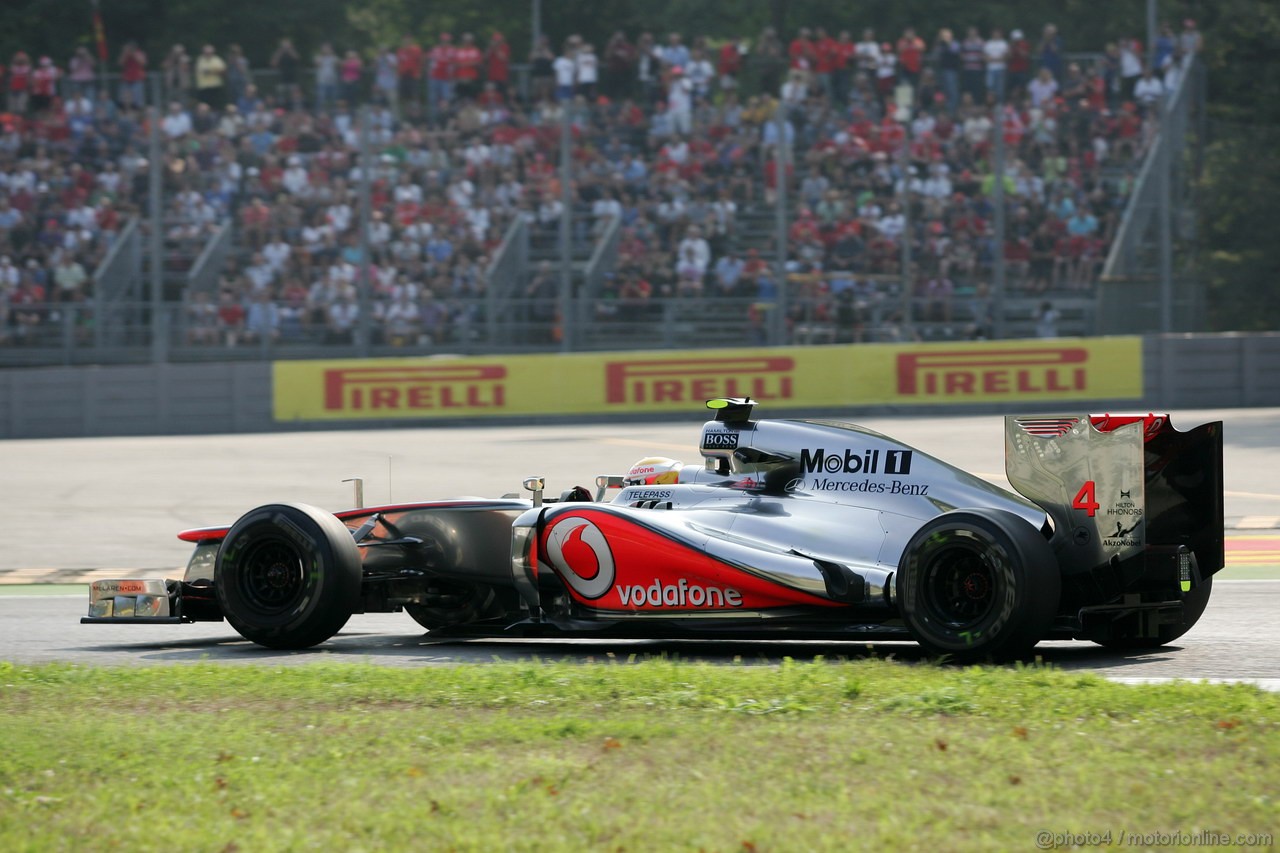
pixel 155 203
pixel 566 235
pixel 364 328
pixel 1164 216
pixel 997 199
pixel 777 319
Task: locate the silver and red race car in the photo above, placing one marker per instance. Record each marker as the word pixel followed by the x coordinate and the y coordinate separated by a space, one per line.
pixel 787 529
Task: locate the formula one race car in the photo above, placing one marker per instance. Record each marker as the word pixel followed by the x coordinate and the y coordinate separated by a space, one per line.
pixel 788 529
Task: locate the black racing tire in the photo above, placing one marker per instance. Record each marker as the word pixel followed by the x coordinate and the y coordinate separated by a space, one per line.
pixel 1193 605
pixel 288 576
pixel 978 584
pixel 459 604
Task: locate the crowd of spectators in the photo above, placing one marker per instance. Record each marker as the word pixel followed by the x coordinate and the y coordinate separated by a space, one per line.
pixel 886 143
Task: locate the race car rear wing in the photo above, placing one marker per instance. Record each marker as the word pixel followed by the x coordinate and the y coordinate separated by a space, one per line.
pixel 1116 486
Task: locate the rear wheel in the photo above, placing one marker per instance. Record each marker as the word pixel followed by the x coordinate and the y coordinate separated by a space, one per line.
pixel 288 576
pixel 1193 605
pixel 978 584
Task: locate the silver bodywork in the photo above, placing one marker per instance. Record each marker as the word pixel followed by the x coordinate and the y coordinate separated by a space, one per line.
pixel 793 501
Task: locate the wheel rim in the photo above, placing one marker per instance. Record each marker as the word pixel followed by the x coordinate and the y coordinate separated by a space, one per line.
pixel 959 587
pixel 272 576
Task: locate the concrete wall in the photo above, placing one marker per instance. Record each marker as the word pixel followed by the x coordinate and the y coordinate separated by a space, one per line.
pixel 1180 371
pixel 1212 370
pixel 56 402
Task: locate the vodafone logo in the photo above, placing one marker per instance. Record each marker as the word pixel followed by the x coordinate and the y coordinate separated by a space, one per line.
pixel 578 550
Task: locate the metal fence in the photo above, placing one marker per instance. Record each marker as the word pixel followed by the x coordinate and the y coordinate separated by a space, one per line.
pixel 506 272
pixel 203 330
pixel 203 274
pixel 1141 290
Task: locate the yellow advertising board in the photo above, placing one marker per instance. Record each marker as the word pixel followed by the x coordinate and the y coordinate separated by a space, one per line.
pixel 665 380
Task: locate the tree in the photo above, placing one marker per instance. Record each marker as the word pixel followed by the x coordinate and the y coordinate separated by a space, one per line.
pixel 1241 256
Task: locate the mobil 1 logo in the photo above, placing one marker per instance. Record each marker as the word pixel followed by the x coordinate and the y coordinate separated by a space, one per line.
pixel 819 463
pixel 823 461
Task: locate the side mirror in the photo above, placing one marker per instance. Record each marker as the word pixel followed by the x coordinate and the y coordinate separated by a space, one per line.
pixel 604 482
pixel 535 485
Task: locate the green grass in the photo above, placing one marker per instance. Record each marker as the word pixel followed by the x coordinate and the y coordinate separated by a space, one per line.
pixel 652 756
pixel 45 589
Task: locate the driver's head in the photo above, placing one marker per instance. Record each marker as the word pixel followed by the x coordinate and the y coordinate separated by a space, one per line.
pixel 654 470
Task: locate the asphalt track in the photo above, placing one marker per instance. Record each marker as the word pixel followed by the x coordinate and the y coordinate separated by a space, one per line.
pixel 80 508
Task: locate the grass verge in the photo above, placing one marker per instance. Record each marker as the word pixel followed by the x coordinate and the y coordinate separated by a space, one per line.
pixel 81 589
pixel 652 756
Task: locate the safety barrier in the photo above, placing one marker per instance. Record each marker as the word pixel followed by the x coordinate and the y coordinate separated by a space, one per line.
pixel 1151 373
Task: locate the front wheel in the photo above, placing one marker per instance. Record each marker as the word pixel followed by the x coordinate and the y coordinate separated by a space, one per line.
pixel 978 584
pixel 288 576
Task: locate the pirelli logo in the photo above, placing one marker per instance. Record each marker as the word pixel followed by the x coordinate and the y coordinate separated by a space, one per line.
pixel 689 380
pixel 392 390
pixel 977 373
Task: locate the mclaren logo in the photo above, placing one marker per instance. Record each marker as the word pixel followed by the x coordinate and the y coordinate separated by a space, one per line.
pixel 579 552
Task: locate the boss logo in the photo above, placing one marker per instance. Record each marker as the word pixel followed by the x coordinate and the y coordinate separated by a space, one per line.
pixel 719 440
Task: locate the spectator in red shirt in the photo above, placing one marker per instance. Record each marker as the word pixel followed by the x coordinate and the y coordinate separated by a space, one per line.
pixel 1019 62
pixel 133 76
pixel 497 62
pixel 255 219
pixel 491 96
pixel 824 60
pixel 910 57
pixel 350 72
pixel 1017 260
pixel 467 59
pixel 409 63
pixel 230 317
pixel 729 65
pixel 19 83
pixel 805 229
pixel 440 77
pixel 801 53
pixel 44 85
pixel 755 267
pixel 28 307
pixel 844 56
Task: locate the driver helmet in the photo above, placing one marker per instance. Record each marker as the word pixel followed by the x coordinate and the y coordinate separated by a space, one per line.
pixel 654 470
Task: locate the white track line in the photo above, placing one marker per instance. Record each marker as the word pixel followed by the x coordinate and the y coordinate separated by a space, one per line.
pixel 1272 685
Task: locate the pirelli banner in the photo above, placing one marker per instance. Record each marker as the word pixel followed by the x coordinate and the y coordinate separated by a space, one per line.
pixel 665 380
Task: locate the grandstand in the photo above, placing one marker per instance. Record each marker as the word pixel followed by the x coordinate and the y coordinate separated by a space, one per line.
pixel 822 192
